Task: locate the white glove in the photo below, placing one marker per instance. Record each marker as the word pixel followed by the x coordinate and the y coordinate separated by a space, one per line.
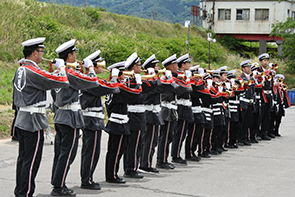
pixel 233 81
pixel 115 72
pixel 188 73
pixel 220 88
pixel 138 78
pixel 255 72
pixel 87 63
pixel 227 84
pixel 21 60
pixel 151 71
pixel 201 70
pixel 59 63
pixel 209 82
pixel 168 73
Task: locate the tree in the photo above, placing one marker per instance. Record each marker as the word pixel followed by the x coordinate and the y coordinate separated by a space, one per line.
pixel 286 30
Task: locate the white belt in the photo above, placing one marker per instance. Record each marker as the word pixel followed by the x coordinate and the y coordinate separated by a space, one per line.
pixel 32 109
pixel 267 91
pixel 119 118
pixel 73 107
pixel 205 109
pixel 234 101
pixel 258 97
pixel 216 109
pixel 216 113
pixel 217 104
pixel 136 108
pixel 168 105
pixel 275 102
pixel 153 108
pixel 246 100
pixel 96 109
pixel 93 114
pixel 197 109
pixel 233 107
pixel 184 102
pixel 233 110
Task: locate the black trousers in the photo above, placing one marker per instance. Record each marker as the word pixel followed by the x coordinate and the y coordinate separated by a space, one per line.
pixel 89 154
pixel 149 140
pixel 65 150
pixel 193 139
pixel 254 130
pixel 208 138
pixel 28 161
pixel 271 123
pixel 178 137
pixel 216 139
pixel 265 118
pixel 165 138
pixel 246 114
pixel 277 124
pixel 13 128
pixel 116 148
pixel 233 132
pixel 133 151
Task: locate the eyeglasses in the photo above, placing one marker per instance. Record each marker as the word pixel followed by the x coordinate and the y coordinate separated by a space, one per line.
pixel 41 51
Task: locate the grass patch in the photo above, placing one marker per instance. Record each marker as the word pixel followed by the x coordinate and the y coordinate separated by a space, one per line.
pixel 5 123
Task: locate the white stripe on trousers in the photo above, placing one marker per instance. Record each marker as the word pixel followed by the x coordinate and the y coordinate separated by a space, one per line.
pixel 93 153
pixel 116 160
pixel 167 133
pixel 180 140
pixel 202 139
pixel 136 147
pixel 67 164
pixel 191 144
pixel 32 164
pixel 210 138
pixel 228 133
pixel 151 146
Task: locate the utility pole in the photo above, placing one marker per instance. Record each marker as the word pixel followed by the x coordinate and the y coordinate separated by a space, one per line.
pixel 84 3
pixel 187 24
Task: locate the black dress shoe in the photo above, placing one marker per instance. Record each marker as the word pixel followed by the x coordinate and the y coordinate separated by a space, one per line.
pixel 258 138
pixel 246 143
pixel 62 192
pixel 277 135
pixel 219 150
pixel 213 152
pixel 146 169
pixel 165 166
pixel 265 137
pixel 204 155
pixel 179 160
pixel 93 186
pixel 236 146
pixel 224 149
pixel 14 138
pixel 271 136
pixel 118 180
pixel 240 143
pixel 194 158
pixel 133 174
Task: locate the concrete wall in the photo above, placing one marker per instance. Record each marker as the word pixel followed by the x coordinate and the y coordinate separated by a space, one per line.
pixel 277 11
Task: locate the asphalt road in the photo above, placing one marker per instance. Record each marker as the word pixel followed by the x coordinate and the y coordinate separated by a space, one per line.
pixel 263 169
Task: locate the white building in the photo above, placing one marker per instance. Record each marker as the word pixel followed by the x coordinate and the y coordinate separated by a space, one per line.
pixel 250 20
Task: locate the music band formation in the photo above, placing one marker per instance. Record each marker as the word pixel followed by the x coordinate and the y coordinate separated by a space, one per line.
pixel 204 111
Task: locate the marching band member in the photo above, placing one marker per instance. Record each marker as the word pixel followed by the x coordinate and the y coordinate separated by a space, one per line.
pixel 93 112
pixel 137 122
pixel 68 118
pixel 118 127
pixel 153 117
pixel 184 111
pixel 267 97
pixel 196 126
pixel 246 103
pixel 30 83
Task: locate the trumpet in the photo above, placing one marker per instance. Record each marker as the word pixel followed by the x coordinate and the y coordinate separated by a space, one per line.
pixel 268 77
pixel 230 92
pixel 280 81
pixel 249 82
pixel 100 64
pixel 198 75
pixel 276 66
pixel 262 74
pixel 160 71
pixel 153 76
pixel 128 73
pixel 68 65
pixel 209 71
pixel 236 86
pixel 218 83
pixel 181 76
pixel 285 87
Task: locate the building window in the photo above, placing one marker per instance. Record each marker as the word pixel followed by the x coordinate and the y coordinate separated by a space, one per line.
pixel 288 13
pixel 224 14
pixel 261 14
pixel 293 15
pixel 243 14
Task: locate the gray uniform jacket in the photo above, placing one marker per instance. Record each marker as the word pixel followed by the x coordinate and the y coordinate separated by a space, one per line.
pixel 67 99
pixel 29 94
